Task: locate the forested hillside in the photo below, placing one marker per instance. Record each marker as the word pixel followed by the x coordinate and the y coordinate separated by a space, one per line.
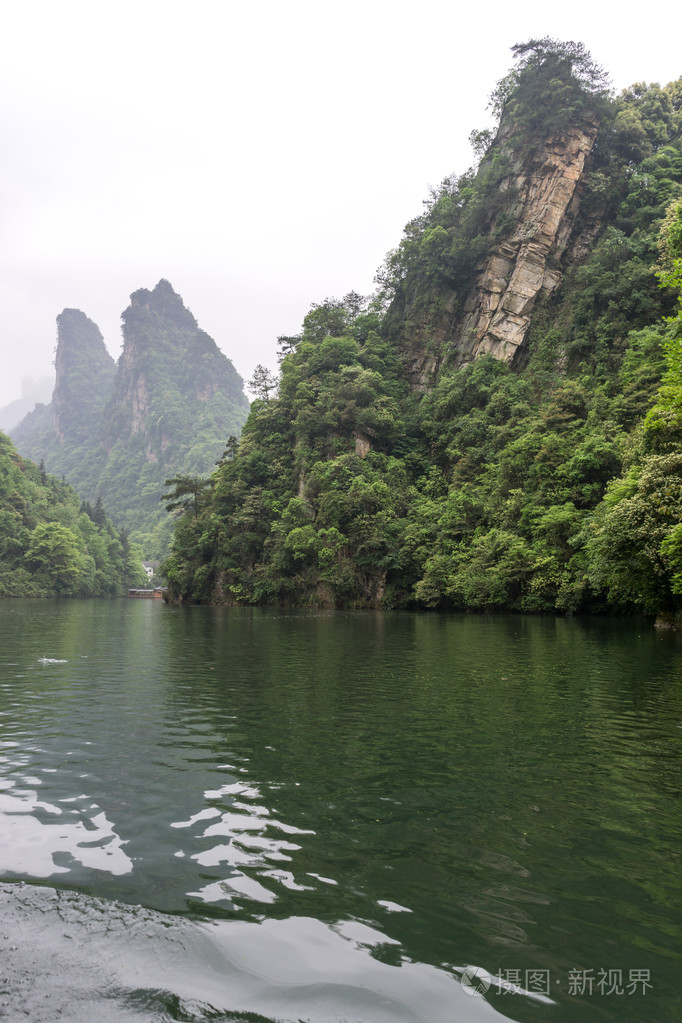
pixel 499 426
pixel 53 545
pixel 117 431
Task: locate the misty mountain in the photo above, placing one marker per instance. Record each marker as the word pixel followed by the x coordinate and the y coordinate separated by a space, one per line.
pixel 116 431
pixel 33 392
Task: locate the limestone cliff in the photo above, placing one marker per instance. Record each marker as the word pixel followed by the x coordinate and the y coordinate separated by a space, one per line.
pixel 170 373
pixel 84 376
pixel 117 431
pixel 493 312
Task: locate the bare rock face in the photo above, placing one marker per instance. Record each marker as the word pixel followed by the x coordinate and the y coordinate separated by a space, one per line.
pixel 497 315
pixel 363 443
pixel 156 331
pixel 140 404
pixel 496 312
pixel 168 363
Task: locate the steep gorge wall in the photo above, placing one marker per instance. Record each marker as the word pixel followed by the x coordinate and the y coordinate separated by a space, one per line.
pixel 168 366
pixel 85 375
pixel 117 431
pixel 495 314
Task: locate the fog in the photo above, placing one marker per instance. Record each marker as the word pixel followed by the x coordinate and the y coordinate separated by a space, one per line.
pixel 260 157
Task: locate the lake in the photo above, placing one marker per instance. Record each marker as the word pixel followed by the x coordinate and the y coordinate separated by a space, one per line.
pixel 249 814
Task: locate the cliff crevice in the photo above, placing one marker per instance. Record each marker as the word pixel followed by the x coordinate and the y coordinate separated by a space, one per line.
pixel 493 314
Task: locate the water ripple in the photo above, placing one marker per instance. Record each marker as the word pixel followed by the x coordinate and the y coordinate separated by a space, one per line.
pixel 411 791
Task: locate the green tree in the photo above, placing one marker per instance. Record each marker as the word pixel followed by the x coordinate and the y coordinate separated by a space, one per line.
pixel 625 539
pixel 663 422
pixel 551 83
pixel 54 552
pixel 263 383
pixel 187 491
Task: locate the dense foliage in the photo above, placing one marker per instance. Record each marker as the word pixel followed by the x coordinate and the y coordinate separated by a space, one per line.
pixel 53 545
pixel 553 486
pixel 117 433
pixel 551 84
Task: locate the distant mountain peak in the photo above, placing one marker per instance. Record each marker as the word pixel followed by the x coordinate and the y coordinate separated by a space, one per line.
pixel 118 430
pixel 85 374
pixel 164 301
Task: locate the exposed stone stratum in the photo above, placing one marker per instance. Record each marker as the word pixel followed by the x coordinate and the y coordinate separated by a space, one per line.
pixel 496 312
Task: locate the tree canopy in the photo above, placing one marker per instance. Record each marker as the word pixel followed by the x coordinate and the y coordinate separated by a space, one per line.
pixel 551 83
pixel 52 544
pixel 552 486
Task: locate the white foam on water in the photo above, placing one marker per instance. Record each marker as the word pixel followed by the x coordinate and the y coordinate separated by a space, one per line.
pixel 86 958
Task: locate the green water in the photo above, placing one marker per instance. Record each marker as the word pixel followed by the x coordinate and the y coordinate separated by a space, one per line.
pixel 344 811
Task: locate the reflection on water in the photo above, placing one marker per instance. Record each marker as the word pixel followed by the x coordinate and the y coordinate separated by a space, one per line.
pixel 78 834
pixel 244 830
pixel 80 958
pixel 431 792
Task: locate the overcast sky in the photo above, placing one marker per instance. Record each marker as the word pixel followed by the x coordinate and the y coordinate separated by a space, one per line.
pixel 260 156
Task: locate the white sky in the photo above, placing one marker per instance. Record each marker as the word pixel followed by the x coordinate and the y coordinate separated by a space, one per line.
pixel 260 156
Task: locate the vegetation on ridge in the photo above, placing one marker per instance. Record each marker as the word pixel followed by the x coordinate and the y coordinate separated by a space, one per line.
pixel 552 487
pixel 53 545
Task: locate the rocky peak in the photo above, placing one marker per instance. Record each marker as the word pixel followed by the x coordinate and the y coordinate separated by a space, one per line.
pixel 155 334
pixel 84 374
pixel 494 315
pixel 498 310
pixel 118 432
pixel 164 302
pixel 166 363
